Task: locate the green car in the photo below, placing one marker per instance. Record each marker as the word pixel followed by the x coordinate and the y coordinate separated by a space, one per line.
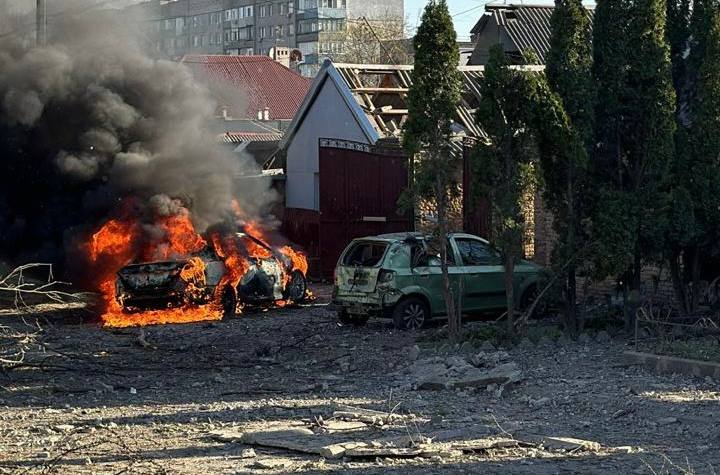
pixel 398 276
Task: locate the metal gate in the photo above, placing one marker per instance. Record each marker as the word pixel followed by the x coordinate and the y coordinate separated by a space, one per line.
pixel 359 188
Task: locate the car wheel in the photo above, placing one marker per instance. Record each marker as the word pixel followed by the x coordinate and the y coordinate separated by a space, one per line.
pixel 228 300
pixel 296 288
pixel 410 314
pixel 528 298
pixel 347 318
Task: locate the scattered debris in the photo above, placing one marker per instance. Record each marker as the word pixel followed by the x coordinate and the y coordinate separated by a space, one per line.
pixel 476 371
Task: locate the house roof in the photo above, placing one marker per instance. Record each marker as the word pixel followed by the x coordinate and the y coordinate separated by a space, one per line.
pixel 241 137
pixel 527 26
pixel 261 81
pixel 376 95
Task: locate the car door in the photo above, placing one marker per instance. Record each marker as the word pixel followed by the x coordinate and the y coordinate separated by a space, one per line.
pixel 428 275
pixel 482 272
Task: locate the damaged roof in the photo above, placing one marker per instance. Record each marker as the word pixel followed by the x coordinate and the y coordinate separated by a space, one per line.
pixel 527 26
pixel 262 82
pixel 242 137
pixel 376 95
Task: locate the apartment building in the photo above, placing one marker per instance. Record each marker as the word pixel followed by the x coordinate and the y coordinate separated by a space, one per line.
pixel 317 28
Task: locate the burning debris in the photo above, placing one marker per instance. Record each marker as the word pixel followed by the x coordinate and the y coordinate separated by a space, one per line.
pixel 113 174
pixel 176 275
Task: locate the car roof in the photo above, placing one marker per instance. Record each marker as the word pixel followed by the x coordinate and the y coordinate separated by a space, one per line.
pixel 395 237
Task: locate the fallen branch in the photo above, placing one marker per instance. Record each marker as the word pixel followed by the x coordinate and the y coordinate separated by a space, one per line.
pixel 17 284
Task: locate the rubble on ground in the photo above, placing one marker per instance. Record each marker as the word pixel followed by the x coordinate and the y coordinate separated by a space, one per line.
pixel 478 371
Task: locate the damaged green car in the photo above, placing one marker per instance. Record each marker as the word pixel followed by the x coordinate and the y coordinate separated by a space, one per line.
pixel 398 276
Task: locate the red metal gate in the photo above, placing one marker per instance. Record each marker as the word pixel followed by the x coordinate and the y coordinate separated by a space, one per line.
pixel 359 190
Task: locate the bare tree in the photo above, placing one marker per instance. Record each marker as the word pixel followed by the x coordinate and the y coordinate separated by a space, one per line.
pixel 376 41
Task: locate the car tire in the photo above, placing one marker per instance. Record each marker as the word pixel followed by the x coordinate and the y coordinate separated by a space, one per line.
pixel 347 318
pixel 228 301
pixel 296 289
pixel 410 314
pixel 527 299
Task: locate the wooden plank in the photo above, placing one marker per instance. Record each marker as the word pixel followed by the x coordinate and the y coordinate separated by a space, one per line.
pixel 388 90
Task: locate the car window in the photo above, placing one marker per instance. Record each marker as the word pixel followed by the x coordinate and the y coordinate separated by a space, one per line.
pixel 365 253
pixel 477 253
pixel 432 255
pixel 399 256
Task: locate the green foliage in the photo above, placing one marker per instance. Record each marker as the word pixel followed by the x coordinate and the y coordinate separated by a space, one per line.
pixel 635 125
pixel 569 64
pixel 432 99
pixel 678 37
pixel 502 163
pixel 431 102
pixel 702 174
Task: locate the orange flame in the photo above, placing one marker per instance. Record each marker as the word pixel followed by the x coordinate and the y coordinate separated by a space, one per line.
pixel 118 242
pixel 298 259
pixel 121 241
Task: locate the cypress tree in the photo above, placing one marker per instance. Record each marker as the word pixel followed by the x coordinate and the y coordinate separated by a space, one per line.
pixel 431 101
pixel 635 125
pixel 569 74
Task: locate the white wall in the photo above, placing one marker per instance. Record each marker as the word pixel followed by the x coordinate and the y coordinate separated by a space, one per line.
pixel 328 117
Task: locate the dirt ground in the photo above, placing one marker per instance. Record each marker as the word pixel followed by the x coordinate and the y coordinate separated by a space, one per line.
pixel 118 401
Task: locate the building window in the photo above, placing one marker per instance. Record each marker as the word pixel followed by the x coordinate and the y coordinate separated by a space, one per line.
pixel 249 11
pixel 249 51
pixel 262 32
pixel 291 7
pixel 291 29
pixel 308 48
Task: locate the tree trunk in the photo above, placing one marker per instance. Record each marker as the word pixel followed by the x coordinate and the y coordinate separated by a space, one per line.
pixel 571 285
pixel 676 276
pixel 509 290
pixel 633 300
pixel 571 327
pixel 441 203
pixel 695 280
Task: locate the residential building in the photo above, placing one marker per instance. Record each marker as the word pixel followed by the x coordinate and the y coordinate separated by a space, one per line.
pixel 338 161
pixel 239 27
pixel 256 99
pixel 313 29
pixel 518 28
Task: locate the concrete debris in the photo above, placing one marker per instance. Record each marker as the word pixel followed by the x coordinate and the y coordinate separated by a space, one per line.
pixel 248 454
pixel 272 463
pixel 369 416
pixel 477 371
pixel 342 426
pixel 566 444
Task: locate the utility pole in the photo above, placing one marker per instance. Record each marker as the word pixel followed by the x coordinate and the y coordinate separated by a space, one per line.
pixel 41 20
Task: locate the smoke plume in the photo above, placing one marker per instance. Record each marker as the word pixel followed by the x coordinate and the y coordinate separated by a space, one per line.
pixel 90 122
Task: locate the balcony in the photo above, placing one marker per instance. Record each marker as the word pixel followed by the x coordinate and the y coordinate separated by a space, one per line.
pixel 322 13
pixel 239 23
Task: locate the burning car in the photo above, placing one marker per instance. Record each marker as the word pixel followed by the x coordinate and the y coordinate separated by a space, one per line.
pixel 235 269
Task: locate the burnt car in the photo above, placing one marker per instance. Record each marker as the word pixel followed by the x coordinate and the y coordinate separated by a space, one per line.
pixel 268 276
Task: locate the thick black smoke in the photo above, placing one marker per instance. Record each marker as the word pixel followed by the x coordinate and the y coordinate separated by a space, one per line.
pixel 88 122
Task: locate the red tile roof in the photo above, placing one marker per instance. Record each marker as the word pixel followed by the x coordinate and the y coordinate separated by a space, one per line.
pixel 262 82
